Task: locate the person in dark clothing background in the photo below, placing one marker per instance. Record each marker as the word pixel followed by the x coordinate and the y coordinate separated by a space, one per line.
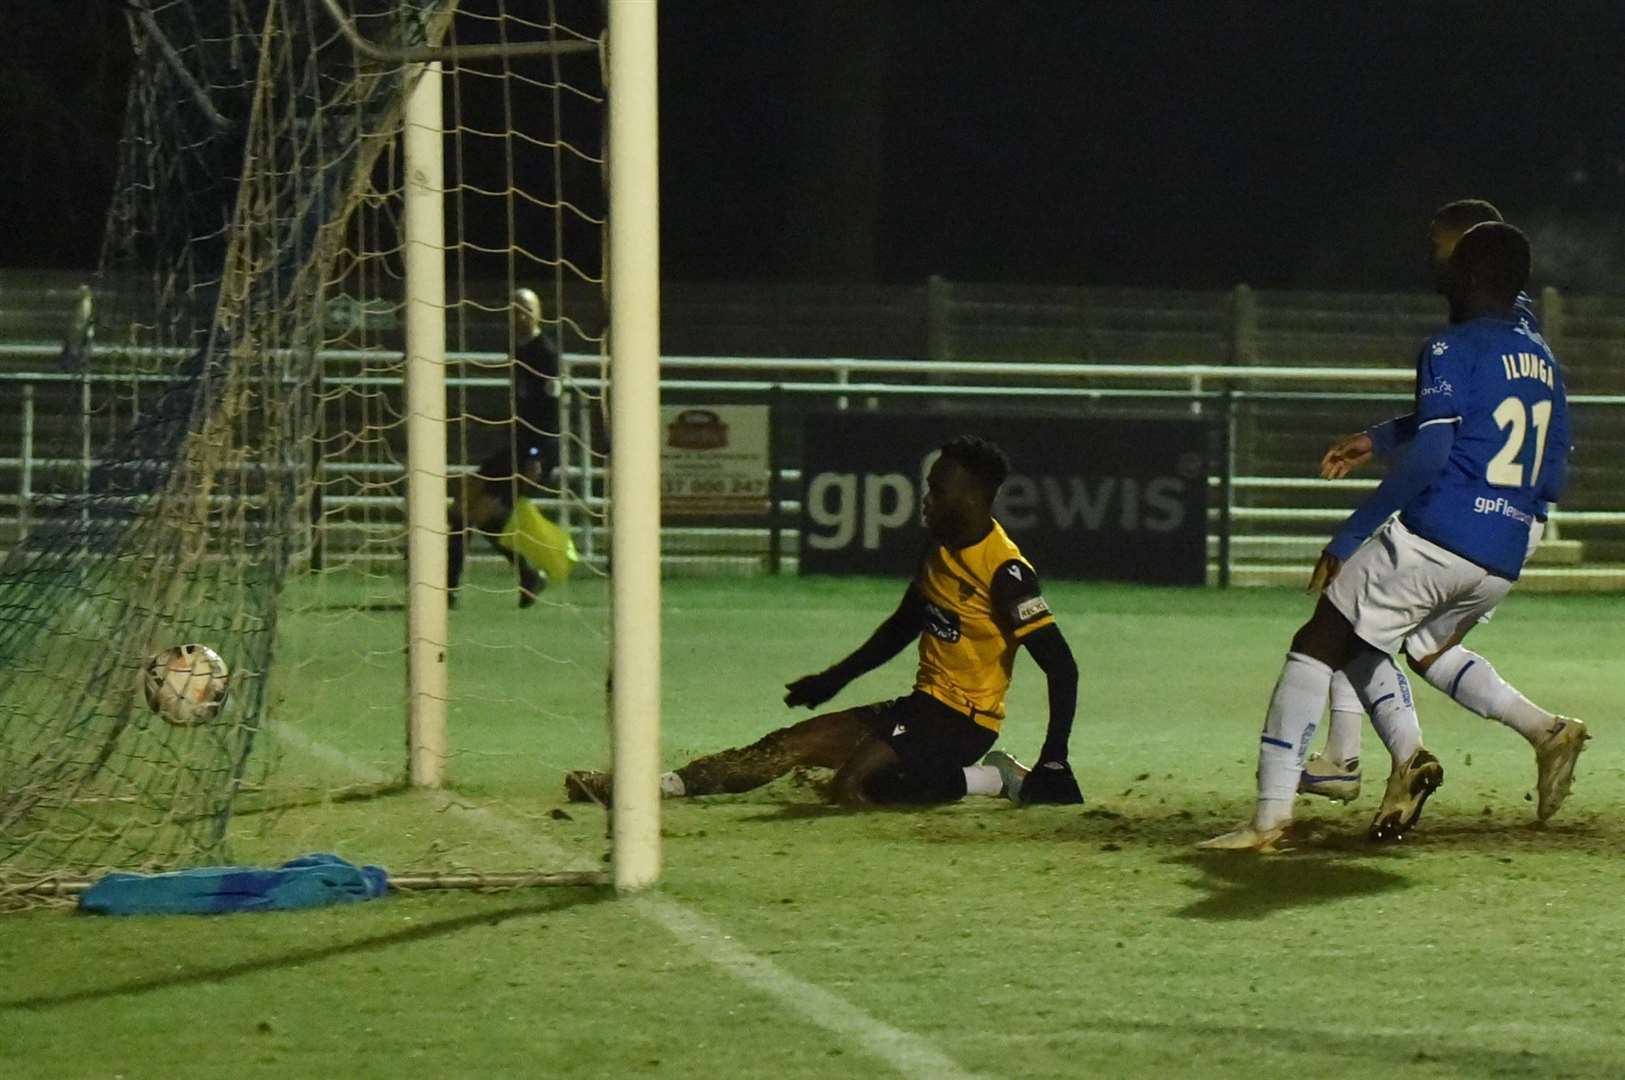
pixel 493 499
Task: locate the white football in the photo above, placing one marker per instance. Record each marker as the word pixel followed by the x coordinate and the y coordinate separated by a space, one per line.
pixel 186 684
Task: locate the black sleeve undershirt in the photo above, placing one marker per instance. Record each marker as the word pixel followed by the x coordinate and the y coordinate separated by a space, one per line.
pixel 891 637
pixel 1049 649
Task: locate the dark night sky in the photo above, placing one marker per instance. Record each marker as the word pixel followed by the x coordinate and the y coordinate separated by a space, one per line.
pixel 1162 143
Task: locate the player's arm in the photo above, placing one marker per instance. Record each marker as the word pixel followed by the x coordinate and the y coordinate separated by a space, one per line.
pixel 1026 614
pixel 1348 452
pixel 1437 418
pixel 1051 778
pixel 1418 467
pixel 891 637
pixel 1391 434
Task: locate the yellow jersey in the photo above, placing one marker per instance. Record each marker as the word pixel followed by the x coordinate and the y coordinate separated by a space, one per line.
pixel 980 602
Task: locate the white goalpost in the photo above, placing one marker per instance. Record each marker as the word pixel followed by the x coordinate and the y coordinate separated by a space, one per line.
pixel 634 275
pixel 350 245
pixel 427 625
pixel 633 283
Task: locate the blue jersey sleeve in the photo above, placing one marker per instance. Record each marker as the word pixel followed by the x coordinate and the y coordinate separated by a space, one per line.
pixel 1437 390
pixel 1391 434
pixel 1424 457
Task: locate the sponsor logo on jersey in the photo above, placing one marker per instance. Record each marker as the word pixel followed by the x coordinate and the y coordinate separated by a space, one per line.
pixel 1440 348
pixel 1028 610
pixel 941 624
pixel 1440 385
pixel 1481 505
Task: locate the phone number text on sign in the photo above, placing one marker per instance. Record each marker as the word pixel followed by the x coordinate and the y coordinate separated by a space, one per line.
pixel 714 459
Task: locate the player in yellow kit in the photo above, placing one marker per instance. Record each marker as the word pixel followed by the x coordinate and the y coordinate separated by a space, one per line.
pixel 973 601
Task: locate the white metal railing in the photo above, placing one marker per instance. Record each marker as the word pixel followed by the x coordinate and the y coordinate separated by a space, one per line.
pixel 841 378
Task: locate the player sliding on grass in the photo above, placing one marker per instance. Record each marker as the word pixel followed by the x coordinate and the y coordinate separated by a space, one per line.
pixel 972 602
pixel 1463 675
pixel 1490 452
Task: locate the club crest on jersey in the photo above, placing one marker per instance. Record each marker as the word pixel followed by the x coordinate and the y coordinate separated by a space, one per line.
pixel 1440 348
pixel 941 624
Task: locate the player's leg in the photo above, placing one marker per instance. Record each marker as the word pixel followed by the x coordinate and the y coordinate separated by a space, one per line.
pixel 1390 588
pixel 1376 600
pixel 490 506
pixel 924 752
pixel 872 758
pixel 998 775
pixel 473 508
pixel 531 580
pixel 1472 682
pixel 456 538
pixel 826 741
pixel 1334 773
pixel 1416 774
pixel 1321 646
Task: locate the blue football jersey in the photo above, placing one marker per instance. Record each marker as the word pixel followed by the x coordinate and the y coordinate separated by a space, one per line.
pixel 1496 379
pixel 1393 433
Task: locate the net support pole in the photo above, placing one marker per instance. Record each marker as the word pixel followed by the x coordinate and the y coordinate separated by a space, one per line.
pixel 425 264
pixel 634 277
pixel 25 467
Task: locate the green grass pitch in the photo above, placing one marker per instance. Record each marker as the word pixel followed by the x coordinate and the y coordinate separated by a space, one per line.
pixel 791 940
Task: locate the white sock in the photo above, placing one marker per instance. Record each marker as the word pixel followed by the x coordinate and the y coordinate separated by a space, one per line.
pixel 671 786
pixel 1476 685
pixel 1343 730
pixel 1386 695
pixel 983 780
pixel 1294 712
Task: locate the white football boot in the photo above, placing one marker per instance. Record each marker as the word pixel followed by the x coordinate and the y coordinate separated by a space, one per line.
pixel 1409 786
pixel 1330 778
pixel 1247 837
pixel 1555 756
pixel 1011 774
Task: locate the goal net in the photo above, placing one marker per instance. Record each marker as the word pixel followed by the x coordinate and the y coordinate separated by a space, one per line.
pixel 226 458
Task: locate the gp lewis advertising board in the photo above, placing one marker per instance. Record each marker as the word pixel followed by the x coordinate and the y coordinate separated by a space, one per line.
pixel 1118 499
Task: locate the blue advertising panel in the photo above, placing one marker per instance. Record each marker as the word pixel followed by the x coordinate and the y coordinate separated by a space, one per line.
pixel 1100 498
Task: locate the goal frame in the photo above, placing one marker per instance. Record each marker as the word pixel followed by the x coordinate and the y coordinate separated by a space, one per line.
pixel 633 283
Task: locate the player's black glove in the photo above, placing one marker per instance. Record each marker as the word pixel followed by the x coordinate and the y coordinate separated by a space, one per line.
pixel 1051 782
pixel 813 690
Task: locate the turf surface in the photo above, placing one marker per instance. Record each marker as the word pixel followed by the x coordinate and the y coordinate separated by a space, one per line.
pixel 792 940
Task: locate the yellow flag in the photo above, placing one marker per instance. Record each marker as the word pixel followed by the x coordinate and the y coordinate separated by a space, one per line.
pixel 531 536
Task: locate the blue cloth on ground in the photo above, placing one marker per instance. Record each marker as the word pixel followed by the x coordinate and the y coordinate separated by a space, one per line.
pixel 309 881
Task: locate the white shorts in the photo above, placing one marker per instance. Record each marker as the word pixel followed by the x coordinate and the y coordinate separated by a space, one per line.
pixel 1399 589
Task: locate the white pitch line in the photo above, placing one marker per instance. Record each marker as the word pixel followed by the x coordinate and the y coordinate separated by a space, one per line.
pixel 909 1054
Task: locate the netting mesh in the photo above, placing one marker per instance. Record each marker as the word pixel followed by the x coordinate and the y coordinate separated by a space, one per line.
pixel 228 443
